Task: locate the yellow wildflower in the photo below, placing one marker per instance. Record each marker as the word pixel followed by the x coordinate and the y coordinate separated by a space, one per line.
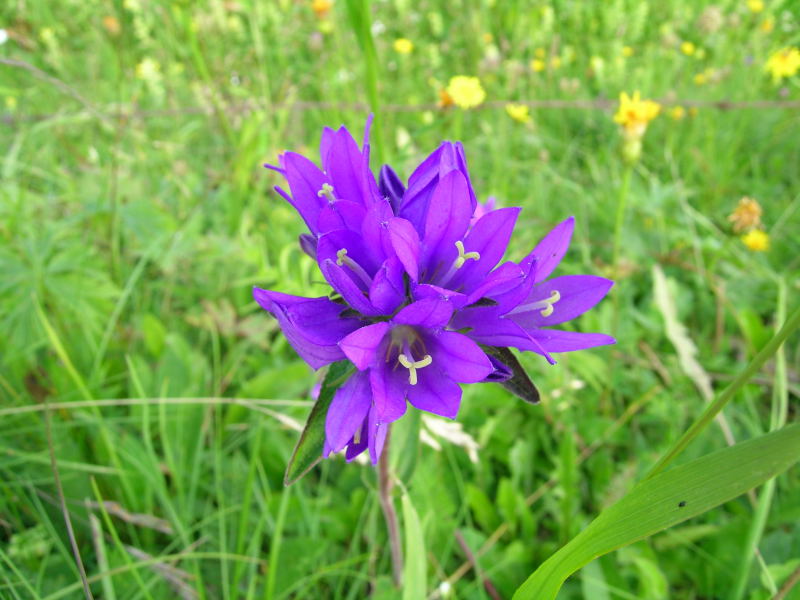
pixel 677 113
pixel 755 6
pixel 11 103
pixel 111 25
pixel 700 79
pixel 767 25
pixel 634 113
pixel 756 240
pixel 466 92
pixel 783 63
pixel 488 38
pixel 538 65
pixel 540 53
pixel 555 62
pixel 688 48
pixel 403 46
pixel 746 216
pixel 321 8
pixel 627 51
pixel 445 99
pixel 519 112
pixel 149 70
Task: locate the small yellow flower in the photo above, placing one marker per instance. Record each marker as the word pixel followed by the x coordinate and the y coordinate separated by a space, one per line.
pixel 540 53
pixel 555 62
pixel 11 103
pixel 756 240
pixel 445 99
pixel 148 70
pixel 700 79
pixel 403 46
pixel 767 25
pixel 466 92
pixel 634 113
pixel 111 25
pixel 783 63
pixel 755 6
pixel 746 216
pixel 627 51
pixel 538 65
pixel 688 48
pixel 487 38
pixel 677 113
pixel 321 8
pixel 519 112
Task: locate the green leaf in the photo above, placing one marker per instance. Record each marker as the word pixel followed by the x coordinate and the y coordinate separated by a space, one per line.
pixel 308 451
pixel 520 384
pixel 666 499
pixel 414 580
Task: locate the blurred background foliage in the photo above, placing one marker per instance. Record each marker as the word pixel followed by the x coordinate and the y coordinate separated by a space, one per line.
pixel 135 217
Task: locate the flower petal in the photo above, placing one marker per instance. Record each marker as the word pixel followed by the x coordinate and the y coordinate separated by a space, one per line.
pixel 361 345
pixel 488 237
pixel 388 392
pixel 388 290
pixel 549 252
pixel 347 411
pixel 313 326
pixel 305 180
pixel 487 326
pixel 391 186
pixel 341 214
pixel 431 312
pixel 376 434
pixel 458 357
pixel 576 295
pixel 426 290
pixel 353 448
pixel 435 393
pixel 446 221
pixel 405 242
pixel 553 340
pixel 349 290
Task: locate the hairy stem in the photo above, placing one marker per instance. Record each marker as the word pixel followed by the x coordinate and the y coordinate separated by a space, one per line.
pixel 385 483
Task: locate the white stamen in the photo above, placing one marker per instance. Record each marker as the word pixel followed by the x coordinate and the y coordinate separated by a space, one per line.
pixel 412 366
pixel 327 192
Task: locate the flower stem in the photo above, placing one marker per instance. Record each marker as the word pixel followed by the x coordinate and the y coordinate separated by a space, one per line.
pixel 622 203
pixel 385 483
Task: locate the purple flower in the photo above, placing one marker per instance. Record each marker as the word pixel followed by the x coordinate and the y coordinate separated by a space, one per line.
pixel 422 302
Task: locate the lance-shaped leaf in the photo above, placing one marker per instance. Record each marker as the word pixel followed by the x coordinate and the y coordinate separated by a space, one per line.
pixel 667 499
pixel 519 383
pixel 308 451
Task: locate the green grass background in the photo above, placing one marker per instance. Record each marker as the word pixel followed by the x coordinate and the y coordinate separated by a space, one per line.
pixel 135 217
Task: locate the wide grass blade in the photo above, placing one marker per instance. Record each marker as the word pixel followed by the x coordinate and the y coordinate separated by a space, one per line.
pixel 666 499
pixel 414 568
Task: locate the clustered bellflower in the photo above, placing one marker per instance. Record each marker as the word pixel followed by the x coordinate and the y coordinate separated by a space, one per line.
pixel 419 294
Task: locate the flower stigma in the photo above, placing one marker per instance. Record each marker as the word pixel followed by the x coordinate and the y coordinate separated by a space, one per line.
pixel 342 259
pixel 413 365
pixel 464 256
pixel 327 192
pixel 545 305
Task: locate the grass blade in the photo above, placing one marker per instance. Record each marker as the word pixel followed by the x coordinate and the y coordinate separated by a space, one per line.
pixel 666 499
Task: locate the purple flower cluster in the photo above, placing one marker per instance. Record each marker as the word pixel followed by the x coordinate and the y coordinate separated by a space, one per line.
pixel 419 295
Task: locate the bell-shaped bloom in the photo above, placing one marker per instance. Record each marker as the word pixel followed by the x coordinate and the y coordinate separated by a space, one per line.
pixel 422 301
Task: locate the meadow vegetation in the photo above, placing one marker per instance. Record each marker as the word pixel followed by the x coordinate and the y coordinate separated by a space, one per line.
pixel 135 218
